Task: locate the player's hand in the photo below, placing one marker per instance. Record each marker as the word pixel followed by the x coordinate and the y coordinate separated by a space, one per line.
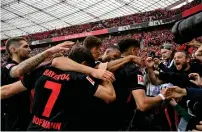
pixel 62 47
pixel 197 79
pixel 156 73
pixel 149 62
pixel 103 75
pixel 174 92
pixel 165 94
pixel 163 90
pixel 138 60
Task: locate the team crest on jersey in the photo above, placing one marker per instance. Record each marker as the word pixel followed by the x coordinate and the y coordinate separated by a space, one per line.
pixel 9 66
pixel 140 79
pixel 90 80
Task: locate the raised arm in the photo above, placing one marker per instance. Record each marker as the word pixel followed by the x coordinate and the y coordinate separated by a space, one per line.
pixel 31 63
pixel 152 77
pixel 190 93
pixel 116 64
pixel 66 64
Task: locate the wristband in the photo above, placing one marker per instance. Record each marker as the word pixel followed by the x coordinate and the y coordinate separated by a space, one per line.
pixel 161 95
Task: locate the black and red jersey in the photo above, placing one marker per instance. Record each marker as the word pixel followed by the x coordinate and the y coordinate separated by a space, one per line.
pixel 5 76
pixel 128 78
pixel 15 110
pixel 61 98
pixel 118 114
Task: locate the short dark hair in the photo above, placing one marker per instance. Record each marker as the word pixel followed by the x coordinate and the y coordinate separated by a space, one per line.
pixel 187 55
pixel 13 41
pixel 80 54
pixel 125 44
pixel 91 42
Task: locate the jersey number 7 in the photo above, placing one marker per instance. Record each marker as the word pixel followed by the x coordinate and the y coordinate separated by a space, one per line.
pixel 55 87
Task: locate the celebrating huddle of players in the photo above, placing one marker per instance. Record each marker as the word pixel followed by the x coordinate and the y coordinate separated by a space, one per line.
pixel 82 91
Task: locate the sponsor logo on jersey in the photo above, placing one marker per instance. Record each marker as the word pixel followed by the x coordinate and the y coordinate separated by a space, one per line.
pixel 55 76
pixel 90 80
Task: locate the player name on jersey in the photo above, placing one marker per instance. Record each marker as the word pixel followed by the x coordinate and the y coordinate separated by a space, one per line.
pixel 46 124
pixel 55 76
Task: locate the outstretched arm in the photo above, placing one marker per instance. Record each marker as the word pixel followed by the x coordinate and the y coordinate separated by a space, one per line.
pixel 190 93
pixel 152 77
pixel 12 89
pixel 31 63
pixel 66 64
pixel 144 102
pixel 116 64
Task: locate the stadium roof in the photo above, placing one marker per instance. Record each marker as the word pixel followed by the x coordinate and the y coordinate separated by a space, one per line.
pixel 22 17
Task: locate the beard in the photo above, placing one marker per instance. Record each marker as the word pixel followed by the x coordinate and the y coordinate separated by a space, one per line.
pixel 25 57
pixel 184 66
pixel 181 66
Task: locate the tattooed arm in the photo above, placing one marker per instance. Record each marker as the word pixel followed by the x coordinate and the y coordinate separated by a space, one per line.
pixel 28 65
pixel 31 63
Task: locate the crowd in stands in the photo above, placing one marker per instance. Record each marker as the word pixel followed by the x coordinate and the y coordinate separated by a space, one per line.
pixel 114 22
pixel 150 40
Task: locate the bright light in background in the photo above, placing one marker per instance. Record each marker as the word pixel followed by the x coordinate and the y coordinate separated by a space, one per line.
pixel 45 15
pixel 184 3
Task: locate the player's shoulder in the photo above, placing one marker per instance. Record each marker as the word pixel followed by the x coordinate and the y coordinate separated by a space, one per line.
pixel 42 68
pixel 83 77
pixel 131 68
pixel 71 74
pixel 76 75
pixel 131 65
pixel 9 64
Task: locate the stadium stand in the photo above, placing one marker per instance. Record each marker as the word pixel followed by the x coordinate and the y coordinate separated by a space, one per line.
pixel 149 75
pixel 109 23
